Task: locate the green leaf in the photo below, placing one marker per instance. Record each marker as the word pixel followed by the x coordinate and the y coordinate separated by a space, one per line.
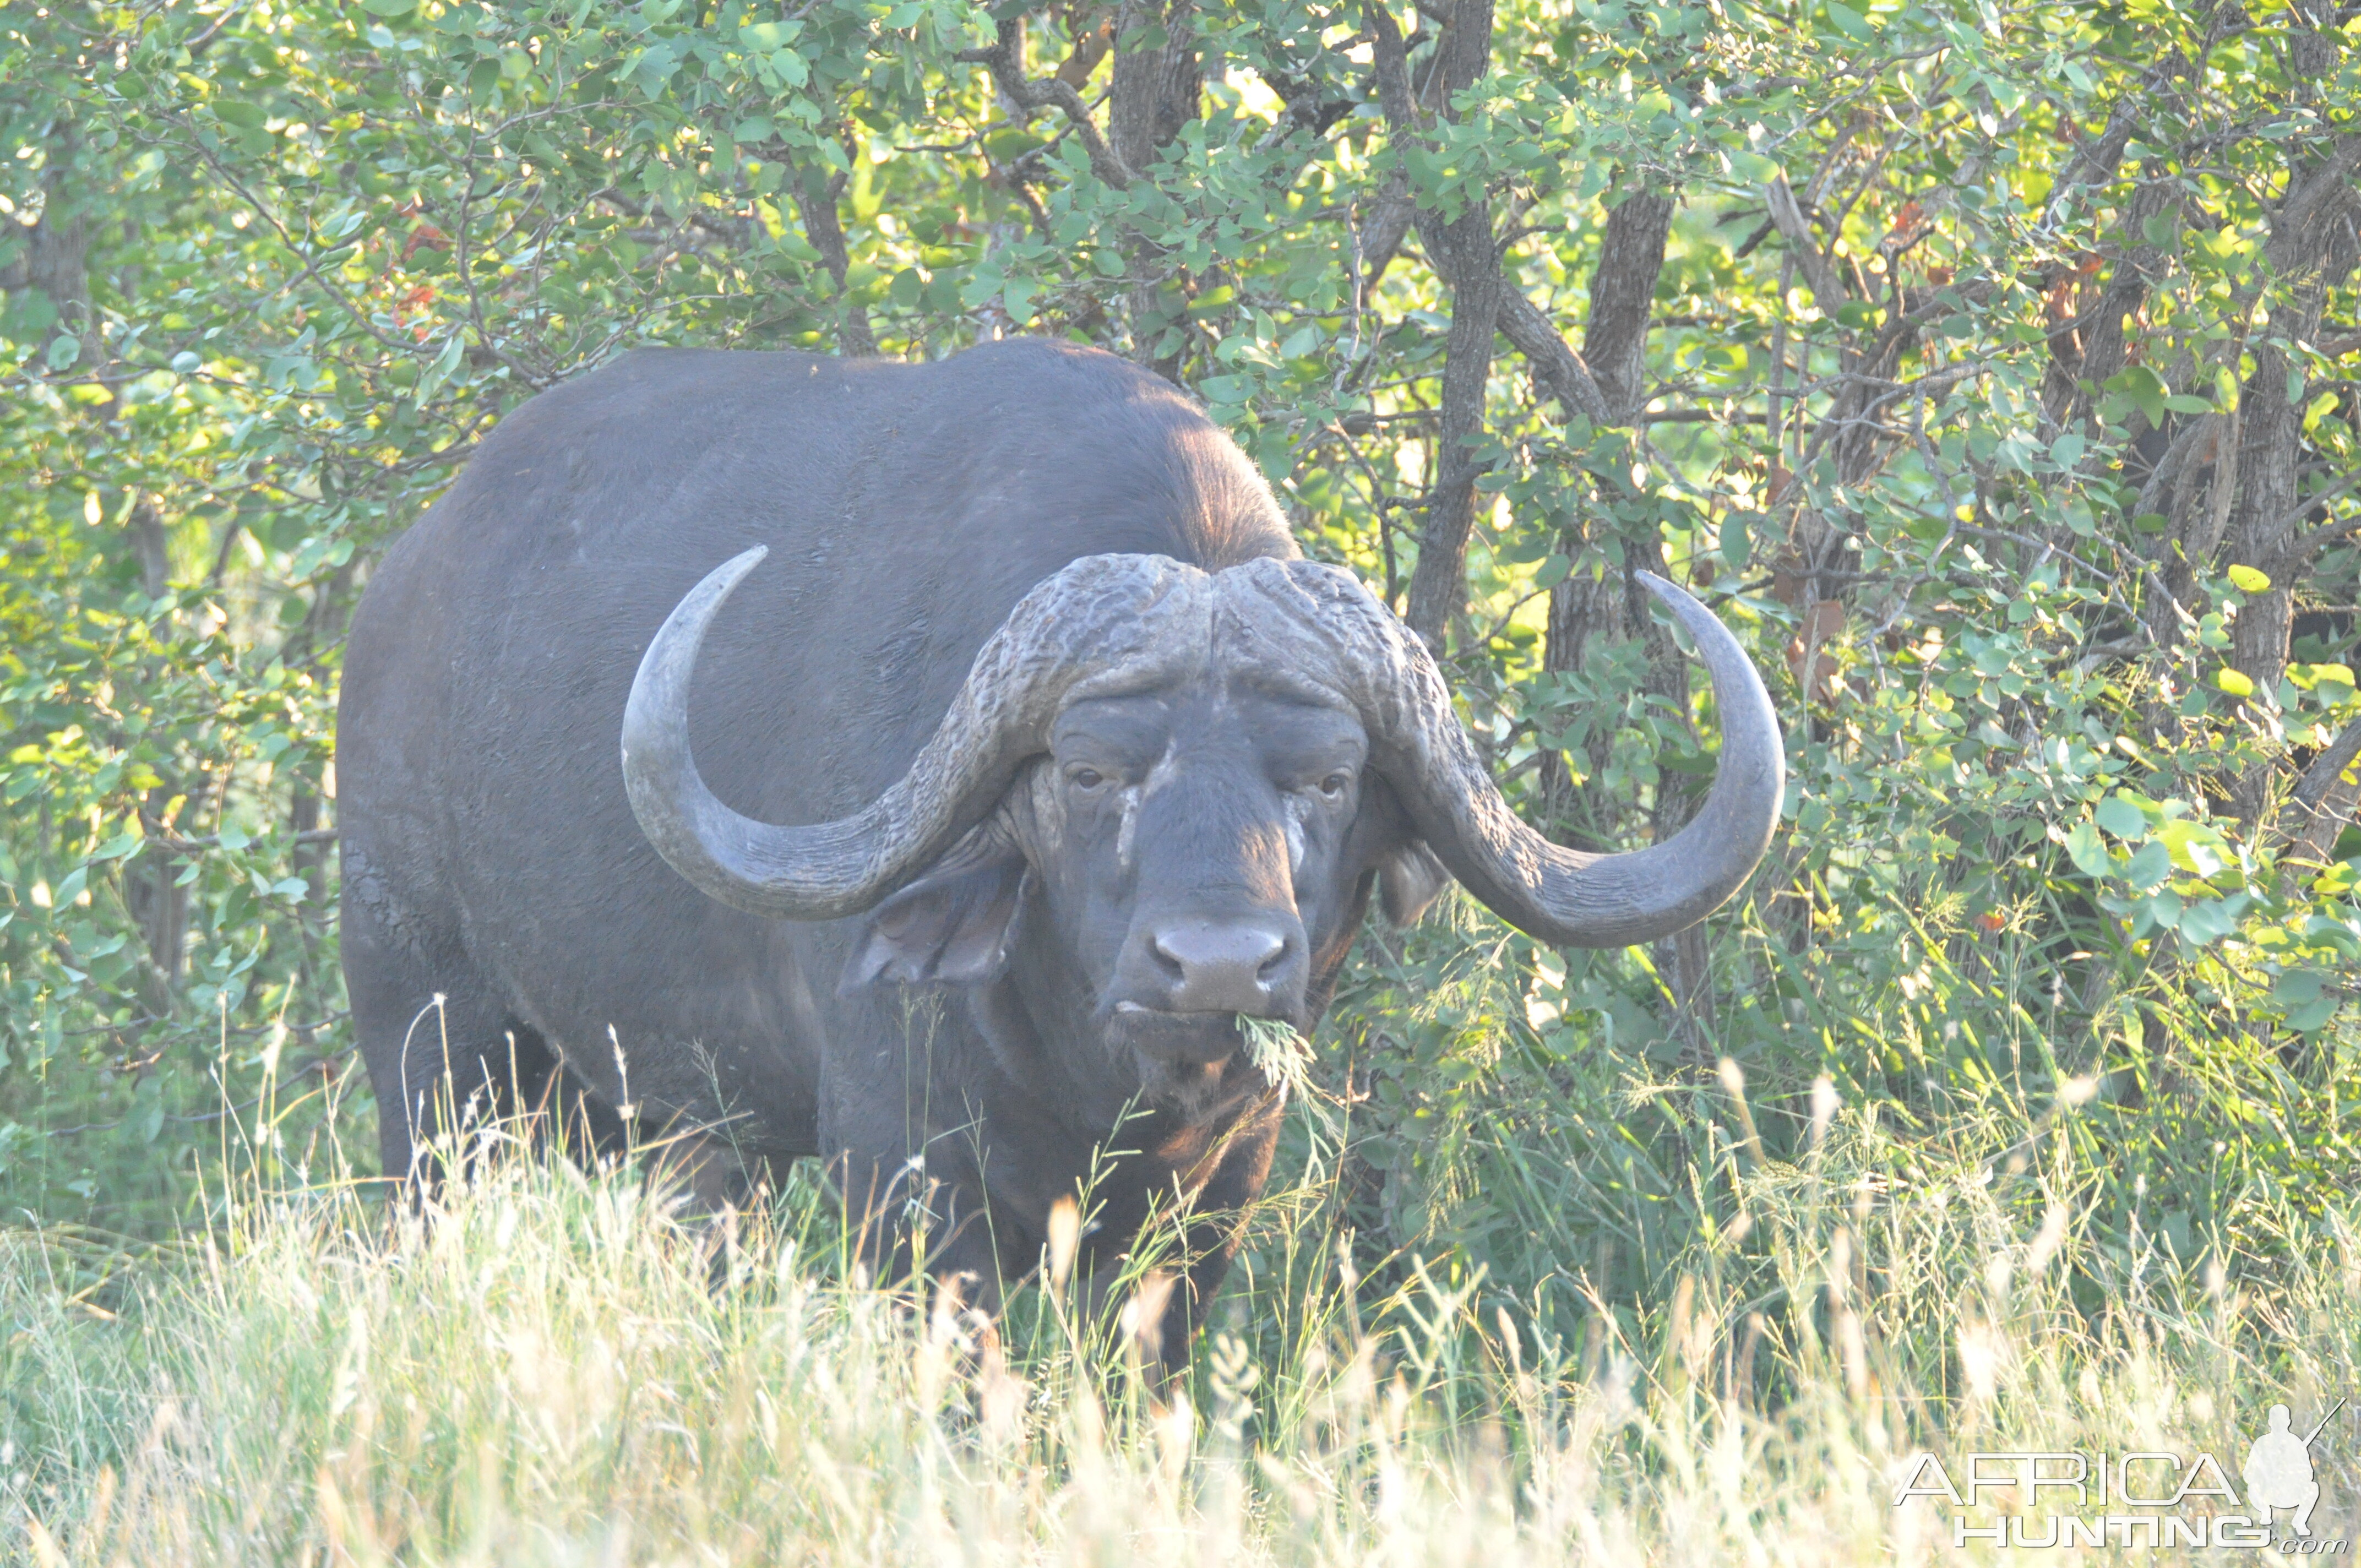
pixel 2249 581
pixel 1212 301
pixel 2126 821
pixel 124 844
pixel 2150 868
pixel 2088 852
pixel 2297 986
pixel 445 364
pixel 390 8
pixel 1738 539
pixel 2304 995
pixel 1851 22
pixel 2144 388
pixel 2212 919
pixel 2235 682
pixel 2313 1014
pixel 2195 847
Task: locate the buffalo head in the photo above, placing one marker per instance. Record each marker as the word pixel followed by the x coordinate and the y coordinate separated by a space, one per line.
pixel 1188 782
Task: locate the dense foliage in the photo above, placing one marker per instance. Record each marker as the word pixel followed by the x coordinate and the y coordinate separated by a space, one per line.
pixel 1994 368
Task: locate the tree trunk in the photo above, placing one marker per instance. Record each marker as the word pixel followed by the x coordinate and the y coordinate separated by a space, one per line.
pixel 1156 87
pixel 816 194
pixel 57 250
pixel 1155 90
pixel 1622 296
pixel 1615 339
pixel 2313 239
pixel 1463 251
pixel 1581 608
pixel 1438 584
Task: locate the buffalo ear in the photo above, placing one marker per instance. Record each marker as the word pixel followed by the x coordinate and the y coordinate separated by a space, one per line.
pixel 1409 879
pixel 948 927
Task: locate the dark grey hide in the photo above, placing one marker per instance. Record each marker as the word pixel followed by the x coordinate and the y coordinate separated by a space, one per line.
pixel 1012 918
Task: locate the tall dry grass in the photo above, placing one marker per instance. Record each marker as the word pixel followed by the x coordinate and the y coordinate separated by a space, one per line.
pixel 546 1369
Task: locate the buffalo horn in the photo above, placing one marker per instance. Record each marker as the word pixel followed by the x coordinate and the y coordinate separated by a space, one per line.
pixel 1567 897
pixel 1106 622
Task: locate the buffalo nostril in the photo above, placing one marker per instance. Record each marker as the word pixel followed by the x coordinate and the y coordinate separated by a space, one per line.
pixel 1222 965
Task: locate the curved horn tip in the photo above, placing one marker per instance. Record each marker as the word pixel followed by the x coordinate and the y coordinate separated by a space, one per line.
pixel 1695 618
pixel 641 721
pixel 1678 600
pixel 738 565
pixel 714 586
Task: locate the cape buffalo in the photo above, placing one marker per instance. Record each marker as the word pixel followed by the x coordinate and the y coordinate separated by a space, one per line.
pixel 1000 674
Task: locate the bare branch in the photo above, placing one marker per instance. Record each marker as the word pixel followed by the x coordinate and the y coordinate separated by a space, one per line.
pixel 2311 539
pixel 1554 361
pixel 1819 275
pixel 2323 798
pixel 1008 74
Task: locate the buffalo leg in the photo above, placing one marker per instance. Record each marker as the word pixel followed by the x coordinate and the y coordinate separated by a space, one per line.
pixel 905 1221
pixel 442 1050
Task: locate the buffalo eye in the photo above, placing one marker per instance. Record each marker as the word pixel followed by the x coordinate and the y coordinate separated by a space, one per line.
pixel 1334 785
pixel 1086 778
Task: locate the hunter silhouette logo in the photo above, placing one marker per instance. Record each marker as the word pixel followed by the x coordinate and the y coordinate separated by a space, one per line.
pixel 2148 1498
pixel 2279 1471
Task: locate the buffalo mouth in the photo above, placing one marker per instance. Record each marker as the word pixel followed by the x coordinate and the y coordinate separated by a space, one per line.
pixel 1184 1059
